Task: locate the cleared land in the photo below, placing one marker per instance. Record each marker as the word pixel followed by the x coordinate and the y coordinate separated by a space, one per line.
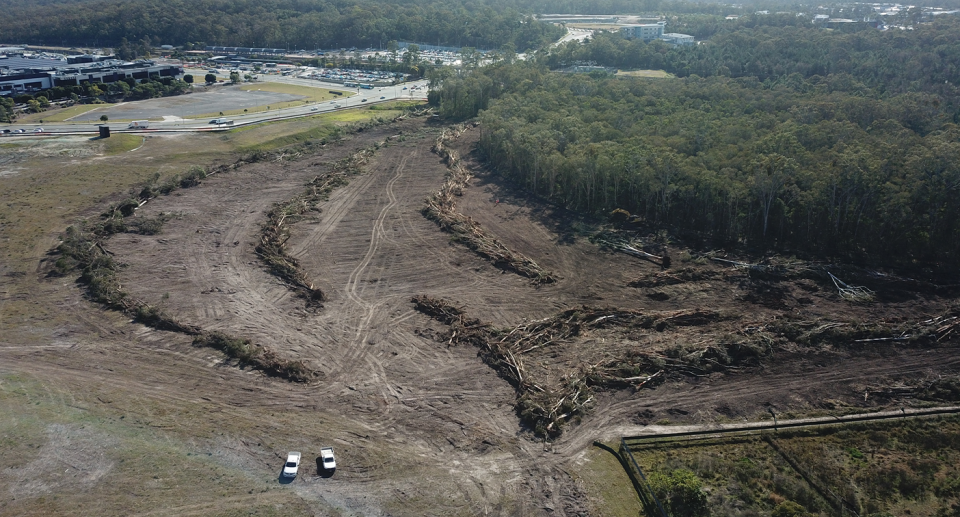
pixel 660 74
pixel 112 417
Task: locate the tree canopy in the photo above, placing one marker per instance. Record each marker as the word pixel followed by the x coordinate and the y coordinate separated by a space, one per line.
pixel 858 167
pixel 301 24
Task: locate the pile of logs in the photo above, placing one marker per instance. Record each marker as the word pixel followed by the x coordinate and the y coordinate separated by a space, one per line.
pixel 616 241
pixel 441 208
pixel 545 407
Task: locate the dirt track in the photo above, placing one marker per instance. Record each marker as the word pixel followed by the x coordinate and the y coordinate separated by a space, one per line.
pixel 421 428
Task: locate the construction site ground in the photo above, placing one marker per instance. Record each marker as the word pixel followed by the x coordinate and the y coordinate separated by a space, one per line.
pixel 106 416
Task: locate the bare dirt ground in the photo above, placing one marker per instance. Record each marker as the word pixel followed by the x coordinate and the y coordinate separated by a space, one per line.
pixel 420 427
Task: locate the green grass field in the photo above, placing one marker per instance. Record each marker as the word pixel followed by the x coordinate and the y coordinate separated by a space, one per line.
pixel 659 74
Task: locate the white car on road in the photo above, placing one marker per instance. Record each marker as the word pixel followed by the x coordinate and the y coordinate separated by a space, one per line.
pixel 292 464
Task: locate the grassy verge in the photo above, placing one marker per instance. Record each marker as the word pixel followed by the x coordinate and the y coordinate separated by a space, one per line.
pixel 120 143
pixel 316 129
pixel 607 485
pixel 59 114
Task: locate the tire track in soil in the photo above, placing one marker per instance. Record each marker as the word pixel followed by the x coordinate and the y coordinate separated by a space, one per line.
pixel 356 348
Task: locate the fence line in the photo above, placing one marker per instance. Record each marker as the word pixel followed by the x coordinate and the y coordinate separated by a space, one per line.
pixel 640 483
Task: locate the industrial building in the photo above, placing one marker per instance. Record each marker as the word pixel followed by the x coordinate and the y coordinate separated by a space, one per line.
pixel 20 73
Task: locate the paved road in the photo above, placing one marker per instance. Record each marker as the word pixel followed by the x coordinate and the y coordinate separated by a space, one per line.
pixel 353 98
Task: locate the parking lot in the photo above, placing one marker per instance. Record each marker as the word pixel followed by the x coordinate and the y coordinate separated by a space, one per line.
pixel 220 98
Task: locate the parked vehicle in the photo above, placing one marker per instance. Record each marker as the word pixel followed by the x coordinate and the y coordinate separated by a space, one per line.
pixel 326 456
pixel 139 124
pixel 292 464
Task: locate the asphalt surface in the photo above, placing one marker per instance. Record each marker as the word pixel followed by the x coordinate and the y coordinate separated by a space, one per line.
pixel 176 119
pixel 217 99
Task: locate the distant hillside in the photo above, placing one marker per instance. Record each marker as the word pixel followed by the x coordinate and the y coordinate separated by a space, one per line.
pixel 270 23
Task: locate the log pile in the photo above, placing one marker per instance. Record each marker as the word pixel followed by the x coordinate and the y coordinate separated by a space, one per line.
pixel 545 403
pixel 276 230
pixel 441 208
pixel 618 241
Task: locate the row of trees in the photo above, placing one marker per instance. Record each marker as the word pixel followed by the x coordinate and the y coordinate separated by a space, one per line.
pixel 272 23
pixel 925 59
pixel 126 89
pixel 730 161
pixel 6 109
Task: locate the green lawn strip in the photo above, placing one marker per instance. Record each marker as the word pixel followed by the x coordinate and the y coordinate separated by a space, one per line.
pixel 607 484
pixel 119 143
pixel 315 128
pixel 59 115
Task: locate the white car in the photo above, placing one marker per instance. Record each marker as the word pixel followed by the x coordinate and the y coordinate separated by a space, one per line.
pixel 292 464
pixel 329 462
pixel 38 130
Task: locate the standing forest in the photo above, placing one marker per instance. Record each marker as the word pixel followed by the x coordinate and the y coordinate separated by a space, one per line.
pixel 799 140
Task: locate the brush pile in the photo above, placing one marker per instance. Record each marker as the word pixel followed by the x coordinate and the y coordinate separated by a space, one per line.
pixel 441 208
pixel 551 393
pixel 84 251
pixel 276 230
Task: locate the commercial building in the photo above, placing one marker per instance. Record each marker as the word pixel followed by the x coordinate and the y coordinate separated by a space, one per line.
pixel 654 31
pixel 246 51
pixel 644 31
pixel 27 74
pixel 675 38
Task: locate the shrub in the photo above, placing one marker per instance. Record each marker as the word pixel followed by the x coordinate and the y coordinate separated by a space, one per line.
pixel 680 492
pixel 789 509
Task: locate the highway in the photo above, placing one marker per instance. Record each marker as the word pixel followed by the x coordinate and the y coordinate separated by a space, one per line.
pixel 353 98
